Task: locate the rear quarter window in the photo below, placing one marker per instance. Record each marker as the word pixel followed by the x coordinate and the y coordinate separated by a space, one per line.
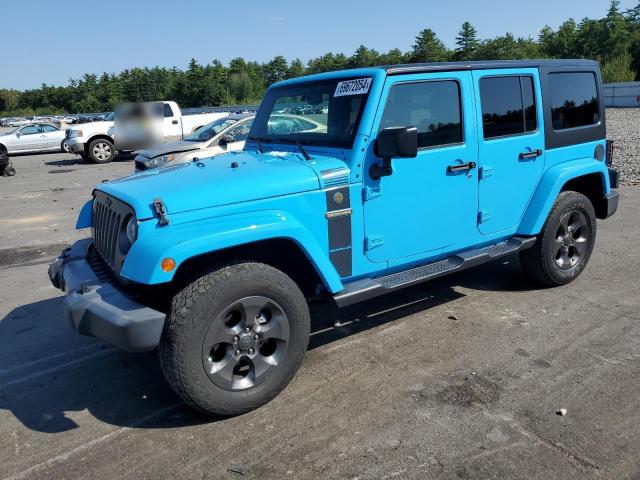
pixel 573 100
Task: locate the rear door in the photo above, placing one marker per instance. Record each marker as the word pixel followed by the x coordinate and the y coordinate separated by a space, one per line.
pixel 511 145
pixel 54 136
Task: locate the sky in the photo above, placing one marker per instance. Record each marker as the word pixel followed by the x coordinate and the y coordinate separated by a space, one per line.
pixel 47 41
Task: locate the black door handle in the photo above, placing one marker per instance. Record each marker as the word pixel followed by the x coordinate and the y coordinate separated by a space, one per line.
pixel 175 122
pixel 461 167
pixel 532 154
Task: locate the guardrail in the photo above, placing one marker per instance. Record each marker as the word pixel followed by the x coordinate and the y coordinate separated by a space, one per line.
pixel 622 95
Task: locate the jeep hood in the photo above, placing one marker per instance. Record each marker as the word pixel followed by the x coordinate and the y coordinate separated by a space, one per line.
pixel 215 181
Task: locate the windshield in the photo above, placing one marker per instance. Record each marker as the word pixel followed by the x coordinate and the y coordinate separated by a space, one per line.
pixel 314 113
pixel 209 131
pixel 109 117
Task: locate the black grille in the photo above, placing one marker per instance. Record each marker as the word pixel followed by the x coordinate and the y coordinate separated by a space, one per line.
pixel 109 214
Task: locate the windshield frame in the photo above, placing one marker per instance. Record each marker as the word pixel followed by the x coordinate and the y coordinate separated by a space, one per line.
pixel 269 102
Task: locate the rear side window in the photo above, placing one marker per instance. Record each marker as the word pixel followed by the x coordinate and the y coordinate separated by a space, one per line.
pixel 508 106
pixel 574 100
pixel 168 113
pixel 432 107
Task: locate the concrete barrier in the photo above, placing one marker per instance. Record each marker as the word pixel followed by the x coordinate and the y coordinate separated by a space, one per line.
pixel 622 95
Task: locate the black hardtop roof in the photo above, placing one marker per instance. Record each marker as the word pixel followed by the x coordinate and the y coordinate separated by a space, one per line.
pixel 485 65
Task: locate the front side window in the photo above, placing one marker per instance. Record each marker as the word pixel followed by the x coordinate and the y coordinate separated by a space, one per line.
pixel 30 130
pixel 240 131
pixel 574 100
pixel 49 128
pixel 508 106
pixel 323 113
pixel 432 107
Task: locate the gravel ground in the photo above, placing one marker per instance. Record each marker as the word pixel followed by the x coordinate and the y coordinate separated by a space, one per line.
pixel 623 126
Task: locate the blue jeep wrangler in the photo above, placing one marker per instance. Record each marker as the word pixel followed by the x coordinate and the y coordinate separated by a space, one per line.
pixel 352 184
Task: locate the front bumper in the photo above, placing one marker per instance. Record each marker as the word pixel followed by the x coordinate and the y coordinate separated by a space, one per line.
pixel 76 145
pixel 100 309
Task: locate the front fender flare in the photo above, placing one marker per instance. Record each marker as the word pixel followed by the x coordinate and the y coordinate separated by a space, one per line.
pixel 190 239
pixel 550 186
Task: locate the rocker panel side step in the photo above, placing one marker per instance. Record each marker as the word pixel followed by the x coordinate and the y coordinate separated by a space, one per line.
pixel 372 287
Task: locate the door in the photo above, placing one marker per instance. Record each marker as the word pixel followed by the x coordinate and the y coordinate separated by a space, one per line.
pixel 172 126
pixel 428 203
pixel 511 146
pixel 54 137
pixel 30 138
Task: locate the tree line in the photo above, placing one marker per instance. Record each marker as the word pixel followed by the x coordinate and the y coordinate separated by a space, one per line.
pixel 614 40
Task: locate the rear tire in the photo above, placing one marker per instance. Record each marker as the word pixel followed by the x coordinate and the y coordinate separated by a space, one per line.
pixel 234 338
pixel 564 246
pixel 101 151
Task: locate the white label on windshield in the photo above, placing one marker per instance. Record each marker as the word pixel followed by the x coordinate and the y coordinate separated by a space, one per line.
pixel 358 86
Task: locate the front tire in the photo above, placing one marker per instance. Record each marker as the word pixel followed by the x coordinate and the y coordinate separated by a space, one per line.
pixel 234 338
pixel 101 151
pixel 564 246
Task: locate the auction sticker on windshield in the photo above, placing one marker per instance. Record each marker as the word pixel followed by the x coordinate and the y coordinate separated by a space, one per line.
pixel 358 86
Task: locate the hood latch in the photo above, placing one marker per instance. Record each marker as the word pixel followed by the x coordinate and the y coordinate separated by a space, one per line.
pixel 161 211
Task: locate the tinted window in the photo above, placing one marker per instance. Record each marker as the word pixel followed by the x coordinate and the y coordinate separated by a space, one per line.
pixel 432 107
pixel 529 103
pixel 574 100
pixel 508 106
pixel 167 110
pixel 49 128
pixel 240 131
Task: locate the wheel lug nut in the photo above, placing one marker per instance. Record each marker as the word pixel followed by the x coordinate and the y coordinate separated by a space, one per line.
pixel 237 352
pixel 235 339
pixel 256 336
pixel 247 330
pixel 251 351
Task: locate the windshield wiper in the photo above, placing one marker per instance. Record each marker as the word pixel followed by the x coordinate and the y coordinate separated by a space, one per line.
pixel 259 141
pixel 300 147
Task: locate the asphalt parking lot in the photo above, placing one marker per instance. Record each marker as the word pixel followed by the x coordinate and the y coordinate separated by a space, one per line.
pixel 457 378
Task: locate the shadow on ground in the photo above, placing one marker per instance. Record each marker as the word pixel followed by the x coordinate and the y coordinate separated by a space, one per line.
pixel 48 372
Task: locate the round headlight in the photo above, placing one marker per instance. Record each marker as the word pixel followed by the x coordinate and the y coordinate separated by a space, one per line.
pixel 132 229
pixel 128 234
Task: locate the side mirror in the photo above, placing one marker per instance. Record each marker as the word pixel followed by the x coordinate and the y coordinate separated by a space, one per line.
pixel 393 142
pixel 226 139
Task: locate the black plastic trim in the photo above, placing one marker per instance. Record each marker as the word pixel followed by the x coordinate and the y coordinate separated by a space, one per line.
pixel 614 178
pixel 611 201
pixel 99 308
pixel 368 288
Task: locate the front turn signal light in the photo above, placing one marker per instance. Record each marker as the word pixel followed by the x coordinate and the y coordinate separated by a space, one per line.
pixel 167 264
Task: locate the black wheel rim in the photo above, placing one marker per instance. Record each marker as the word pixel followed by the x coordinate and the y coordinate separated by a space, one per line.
pixel 572 240
pixel 245 343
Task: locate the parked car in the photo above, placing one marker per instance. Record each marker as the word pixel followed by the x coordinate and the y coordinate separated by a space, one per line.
pixel 220 136
pixel 32 138
pixel 421 171
pixel 96 141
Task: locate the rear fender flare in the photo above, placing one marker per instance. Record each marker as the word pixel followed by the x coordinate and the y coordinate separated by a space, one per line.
pixel 550 187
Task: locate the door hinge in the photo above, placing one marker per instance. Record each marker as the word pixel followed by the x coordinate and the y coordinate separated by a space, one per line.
pixel 484 216
pixel 485 172
pixel 371 192
pixel 373 241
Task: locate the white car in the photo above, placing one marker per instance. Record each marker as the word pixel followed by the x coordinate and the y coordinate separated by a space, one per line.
pixel 96 141
pixel 32 138
pixel 220 136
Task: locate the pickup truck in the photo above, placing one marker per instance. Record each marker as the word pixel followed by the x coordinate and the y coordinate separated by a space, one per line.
pixel 96 141
pixel 418 171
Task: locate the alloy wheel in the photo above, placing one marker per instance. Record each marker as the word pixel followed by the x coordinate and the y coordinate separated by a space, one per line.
pixel 571 240
pixel 245 343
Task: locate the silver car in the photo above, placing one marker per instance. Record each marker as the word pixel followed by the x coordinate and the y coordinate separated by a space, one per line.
pixel 220 136
pixel 36 137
